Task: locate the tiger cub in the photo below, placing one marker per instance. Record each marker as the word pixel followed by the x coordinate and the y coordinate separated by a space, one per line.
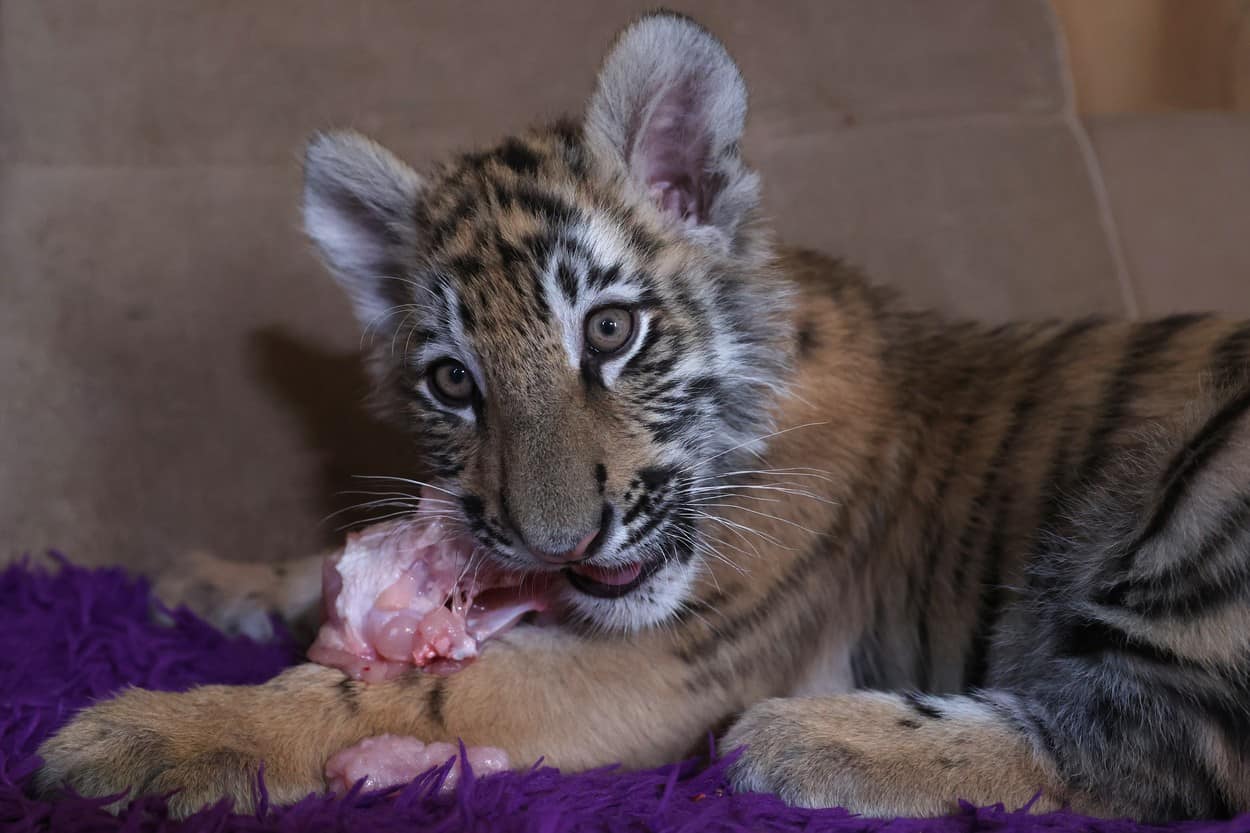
pixel 901 560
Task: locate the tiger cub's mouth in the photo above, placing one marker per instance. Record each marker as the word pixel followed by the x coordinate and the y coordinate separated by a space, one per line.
pixel 611 582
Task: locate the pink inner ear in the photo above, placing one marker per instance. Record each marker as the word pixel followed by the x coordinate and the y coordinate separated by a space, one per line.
pixel 669 155
pixel 676 200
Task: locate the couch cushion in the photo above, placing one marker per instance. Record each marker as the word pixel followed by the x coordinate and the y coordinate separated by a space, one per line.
pixel 1179 187
pixel 987 217
pixel 158 83
pixel 176 371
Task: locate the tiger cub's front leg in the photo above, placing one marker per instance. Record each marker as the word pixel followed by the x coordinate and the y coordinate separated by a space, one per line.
pixel 882 754
pixel 535 692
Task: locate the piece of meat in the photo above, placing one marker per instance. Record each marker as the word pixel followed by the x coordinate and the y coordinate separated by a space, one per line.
pixel 387 760
pixel 408 593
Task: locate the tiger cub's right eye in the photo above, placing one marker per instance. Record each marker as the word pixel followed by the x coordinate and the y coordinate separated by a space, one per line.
pixel 452 383
pixel 609 330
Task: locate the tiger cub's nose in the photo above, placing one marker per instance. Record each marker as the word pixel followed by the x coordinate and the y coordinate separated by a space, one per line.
pixel 583 549
pixel 576 554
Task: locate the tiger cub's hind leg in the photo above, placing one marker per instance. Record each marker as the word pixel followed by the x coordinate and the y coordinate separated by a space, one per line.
pixel 241 597
pixel 1121 679
pixel 1136 650
pixel 1115 747
pixel 886 754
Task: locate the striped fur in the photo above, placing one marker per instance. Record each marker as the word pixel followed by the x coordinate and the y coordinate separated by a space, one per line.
pixel 905 560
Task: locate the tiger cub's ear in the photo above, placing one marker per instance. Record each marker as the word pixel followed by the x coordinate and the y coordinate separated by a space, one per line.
pixel 668 112
pixel 359 205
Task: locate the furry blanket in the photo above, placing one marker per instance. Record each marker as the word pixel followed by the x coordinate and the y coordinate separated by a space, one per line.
pixel 72 636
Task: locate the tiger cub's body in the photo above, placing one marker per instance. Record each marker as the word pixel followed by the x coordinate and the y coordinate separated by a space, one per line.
pixel 904 560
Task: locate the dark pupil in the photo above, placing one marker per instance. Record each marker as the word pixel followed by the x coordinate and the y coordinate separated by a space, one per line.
pixel 609 326
pixel 457 375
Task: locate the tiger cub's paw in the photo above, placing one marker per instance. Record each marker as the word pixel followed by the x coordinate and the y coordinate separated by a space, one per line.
pixel 867 752
pixel 240 597
pixel 234 597
pixel 786 755
pixel 148 743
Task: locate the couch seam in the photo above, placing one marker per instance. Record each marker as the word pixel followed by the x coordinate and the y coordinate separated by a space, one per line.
pixel 1093 167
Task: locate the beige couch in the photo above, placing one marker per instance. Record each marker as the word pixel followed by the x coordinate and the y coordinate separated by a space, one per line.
pixel 177 372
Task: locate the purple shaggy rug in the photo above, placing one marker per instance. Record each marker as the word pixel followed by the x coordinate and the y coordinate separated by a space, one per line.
pixel 71 637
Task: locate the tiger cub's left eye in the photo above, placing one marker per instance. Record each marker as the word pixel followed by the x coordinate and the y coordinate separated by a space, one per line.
pixel 608 330
pixel 452 382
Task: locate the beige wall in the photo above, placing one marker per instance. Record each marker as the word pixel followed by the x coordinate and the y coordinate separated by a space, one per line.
pixel 1142 56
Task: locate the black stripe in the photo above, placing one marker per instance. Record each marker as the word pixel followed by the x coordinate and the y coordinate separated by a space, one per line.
pixel 640 240
pixel 797 604
pixel 1208 442
pixel 1175 591
pixel 435 700
pixel 654 334
pixel 640 506
pixel 658 515
pixel 567 281
pixel 876 645
pixel 603 278
pixel 571 148
pixel 806 339
pixel 1225 706
pixel 793 580
pixel 698 608
pixel 521 271
pixel 349 694
pixel 474 160
pixel 467 319
pixel 990 598
pixel 799 576
pixel 933 539
pixel 1201 789
pixel 659 368
pixel 866 671
pixel 592 375
pixel 570 245
pixel 443 224
pixel 990 595
pixel 1217 804
pixel 683 543
pixel 1062 482
pixel 465 265
pixel 878 507
pixel 474 508
pixel 1228 359
pixel 1095 639
pixel 921 706
pixel 1147 341
pixel 656 477
pixel 1037 725
pixel 551 208
pixel 1055 485
pixel 539 244
pixel 989 608
pixel 803 611
pixel 518 158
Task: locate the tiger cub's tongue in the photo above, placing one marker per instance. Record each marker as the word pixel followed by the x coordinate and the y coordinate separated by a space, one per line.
pixel 612 576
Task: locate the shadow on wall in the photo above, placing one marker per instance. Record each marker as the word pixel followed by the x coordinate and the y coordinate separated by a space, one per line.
pixel 326 392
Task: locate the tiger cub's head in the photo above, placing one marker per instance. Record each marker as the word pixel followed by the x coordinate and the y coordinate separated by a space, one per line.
pixel 580 325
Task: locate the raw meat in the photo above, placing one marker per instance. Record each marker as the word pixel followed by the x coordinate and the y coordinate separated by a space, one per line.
pixel 406 594
pixel 387 760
